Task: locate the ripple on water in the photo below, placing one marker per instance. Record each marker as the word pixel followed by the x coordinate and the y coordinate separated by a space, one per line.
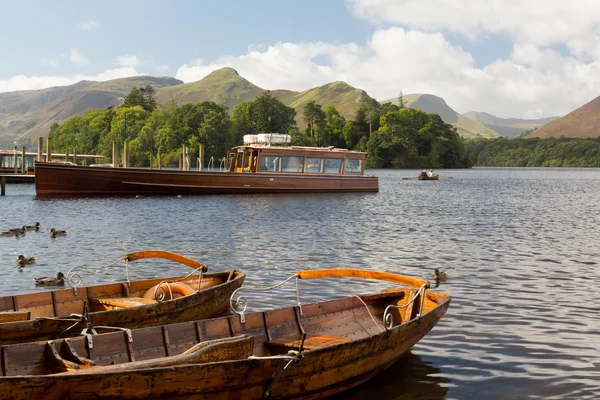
pixel 518 246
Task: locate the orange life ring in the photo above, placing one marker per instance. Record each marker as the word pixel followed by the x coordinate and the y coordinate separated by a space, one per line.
pixel 170 291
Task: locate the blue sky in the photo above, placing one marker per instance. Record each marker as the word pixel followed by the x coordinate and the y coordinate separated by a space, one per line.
pixel 511 58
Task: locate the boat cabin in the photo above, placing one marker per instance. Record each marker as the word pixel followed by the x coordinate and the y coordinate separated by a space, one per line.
pixel 264 156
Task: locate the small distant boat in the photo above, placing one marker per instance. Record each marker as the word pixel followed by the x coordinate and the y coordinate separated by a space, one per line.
pixel 434 177
pixel 309 351
pixel 132 304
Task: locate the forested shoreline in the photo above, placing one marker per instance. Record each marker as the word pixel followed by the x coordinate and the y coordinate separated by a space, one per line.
pixel 392 136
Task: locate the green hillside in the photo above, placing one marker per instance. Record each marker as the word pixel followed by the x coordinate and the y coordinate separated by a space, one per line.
pixel 227 87
pixel 29 114
pixel 429 103
pixel 345 98
pixel 223 86
pixel 508 127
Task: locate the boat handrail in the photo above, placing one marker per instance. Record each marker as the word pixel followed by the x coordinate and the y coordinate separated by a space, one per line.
pixel 364 274
pixel 222 165
pixel 242 302
pixel 211 164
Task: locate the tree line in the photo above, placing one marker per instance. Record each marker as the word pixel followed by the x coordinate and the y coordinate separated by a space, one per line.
pixel 392 136
pixel 535 152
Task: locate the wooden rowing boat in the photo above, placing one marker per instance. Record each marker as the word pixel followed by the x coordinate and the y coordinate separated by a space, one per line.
pixel 307 351
pixel 132 304
pixel 428 178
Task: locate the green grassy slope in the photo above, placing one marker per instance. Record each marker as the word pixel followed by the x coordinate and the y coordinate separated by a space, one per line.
pixel 508 127
pixel 429 103
pixel 30 113
pixel 223 86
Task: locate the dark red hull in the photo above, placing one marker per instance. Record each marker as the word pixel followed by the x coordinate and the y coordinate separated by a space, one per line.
pixel 52 179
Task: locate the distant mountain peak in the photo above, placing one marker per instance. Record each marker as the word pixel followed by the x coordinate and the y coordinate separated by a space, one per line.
pixel 223 72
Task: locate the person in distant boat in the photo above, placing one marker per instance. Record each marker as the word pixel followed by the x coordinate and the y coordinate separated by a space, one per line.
pixel 424 173
pixel 430 173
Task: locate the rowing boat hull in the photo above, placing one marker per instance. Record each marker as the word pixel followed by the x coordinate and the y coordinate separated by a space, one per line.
pixel 52 179
pixel 429 178
pixel 51 311
pixel 321 372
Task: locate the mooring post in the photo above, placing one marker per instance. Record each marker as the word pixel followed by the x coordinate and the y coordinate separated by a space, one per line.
pixel 115 161
pixel 16 165
pixel 49 150
pixel 2 185
pixel 40 153
pixel 23 161
pixel 201 158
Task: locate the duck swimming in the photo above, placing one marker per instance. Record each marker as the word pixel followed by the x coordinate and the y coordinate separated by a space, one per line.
pixel 22 260
pixel 439 275
pixel 46 281
pixel 54 233
pixel 18 231
pixel 35 227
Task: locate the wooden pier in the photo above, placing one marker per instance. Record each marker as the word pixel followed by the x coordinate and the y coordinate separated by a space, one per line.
pixel 14 178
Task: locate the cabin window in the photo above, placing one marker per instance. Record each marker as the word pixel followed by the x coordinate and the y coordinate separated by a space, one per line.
pixel 231 161
pixel 293 164
pixel 247 161
pixel 270 163
pixel 314 164
pixel 352 166
pixel 333 165
pixel 240 158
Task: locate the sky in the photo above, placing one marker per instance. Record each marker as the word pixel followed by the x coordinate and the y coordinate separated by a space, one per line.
pixel 509 58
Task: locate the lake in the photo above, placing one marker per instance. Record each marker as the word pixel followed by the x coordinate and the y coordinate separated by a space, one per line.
pixel 521 248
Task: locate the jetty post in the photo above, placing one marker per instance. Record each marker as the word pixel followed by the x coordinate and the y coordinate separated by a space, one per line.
pixel 187 158
pixel 15 160
pixel 201 158
pixel 115 162
pixel 2 185
pixel 40 152
pixel 125 155
pixel 49 149
pixel 23 161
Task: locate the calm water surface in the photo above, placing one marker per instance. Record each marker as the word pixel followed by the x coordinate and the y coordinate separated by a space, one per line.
pixel 521 247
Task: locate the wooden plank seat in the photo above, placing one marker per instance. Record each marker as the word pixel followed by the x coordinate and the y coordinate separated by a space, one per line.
pixel 12 316
pixel 311 342
pixel 112 303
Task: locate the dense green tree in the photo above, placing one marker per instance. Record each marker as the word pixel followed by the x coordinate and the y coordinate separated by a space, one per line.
pixel 369 109
pixel 270 115
pixel 334 126
pixel 315 118
pixel 241 122
pixel 144 97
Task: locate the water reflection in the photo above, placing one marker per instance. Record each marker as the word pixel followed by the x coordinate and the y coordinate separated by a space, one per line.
pixel 411 378
pixel 519 246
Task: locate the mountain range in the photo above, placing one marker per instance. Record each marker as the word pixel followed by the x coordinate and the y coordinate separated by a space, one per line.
pixel 29 114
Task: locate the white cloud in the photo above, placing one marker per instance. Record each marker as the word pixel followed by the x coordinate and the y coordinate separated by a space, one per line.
pixel 87 25
pixel 22 82
pixel 540 22
pixel 127 61
pixel 533 82
pixel 52 62
pixel 77 58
